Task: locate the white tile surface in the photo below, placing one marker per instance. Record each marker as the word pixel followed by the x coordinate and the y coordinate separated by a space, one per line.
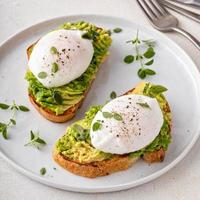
pixel 182 182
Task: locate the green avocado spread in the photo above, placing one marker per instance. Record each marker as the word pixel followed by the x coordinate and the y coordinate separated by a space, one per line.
pixel 70 94
pixel 76 143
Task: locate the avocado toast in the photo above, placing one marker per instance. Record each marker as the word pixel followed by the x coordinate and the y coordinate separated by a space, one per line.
pixel 74 150
pixel 59 104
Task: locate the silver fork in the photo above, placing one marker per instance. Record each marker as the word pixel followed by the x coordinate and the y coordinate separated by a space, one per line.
pixel 162 20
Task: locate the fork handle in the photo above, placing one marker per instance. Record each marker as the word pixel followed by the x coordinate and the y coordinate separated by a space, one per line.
pixel 194 40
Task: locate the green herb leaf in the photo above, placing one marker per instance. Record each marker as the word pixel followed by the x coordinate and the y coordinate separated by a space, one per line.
pixel 58 98
pixel 117 30
pixel 96 126
pixel 53 50
pixel 90 35
pixel 14 107
pixel 3 130
pixel 157 89
pixel 141 73
pixel 145 59
pixel 5 133
pixel 4 106
pixel 23 108
pixel 2 126
pixel 40 141
pixel 149 53
pixel 149 72
pixel 43 171
pixel 134 41
pixel 107 114
pixel 113 95
pixel 138 57
pixel 32 135
pixel 35 140
pixel 13 121
pixel 149 62
pixel 55 67
pixel 87 36
pixel 42 75
pixel 145 105
pixel 129 59
pixel 117 117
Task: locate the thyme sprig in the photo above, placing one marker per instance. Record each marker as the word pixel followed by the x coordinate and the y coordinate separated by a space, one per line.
pixel 12 121
pixel 35 140
pixel 145 59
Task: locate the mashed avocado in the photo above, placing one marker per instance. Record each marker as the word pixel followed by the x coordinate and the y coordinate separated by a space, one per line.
pixel 73 92
pixel 76 144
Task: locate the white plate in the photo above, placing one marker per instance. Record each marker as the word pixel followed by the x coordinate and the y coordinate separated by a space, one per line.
pixel 174 68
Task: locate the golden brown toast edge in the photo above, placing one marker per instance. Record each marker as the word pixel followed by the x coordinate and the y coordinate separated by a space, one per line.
pixel 95 169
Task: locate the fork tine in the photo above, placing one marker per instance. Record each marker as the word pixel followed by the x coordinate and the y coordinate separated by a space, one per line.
pixel 158 7
pixel 155 7
pixel 146 9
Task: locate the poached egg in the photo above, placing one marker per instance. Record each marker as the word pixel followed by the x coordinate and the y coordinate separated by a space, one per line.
pixel 126 124
pixel 60 57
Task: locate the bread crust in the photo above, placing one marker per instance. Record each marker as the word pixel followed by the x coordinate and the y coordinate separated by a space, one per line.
pixel 51 116
pixel 95 169
pixel 155 156
pixel 48 114
pixel 106 167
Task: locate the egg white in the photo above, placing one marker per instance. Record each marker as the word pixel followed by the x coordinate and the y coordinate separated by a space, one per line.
pixel 73 57
pixel 139 126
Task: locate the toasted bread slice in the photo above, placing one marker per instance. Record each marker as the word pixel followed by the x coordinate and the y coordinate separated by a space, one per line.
pixel 48 114
pixel 106 167
pixel 95 169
